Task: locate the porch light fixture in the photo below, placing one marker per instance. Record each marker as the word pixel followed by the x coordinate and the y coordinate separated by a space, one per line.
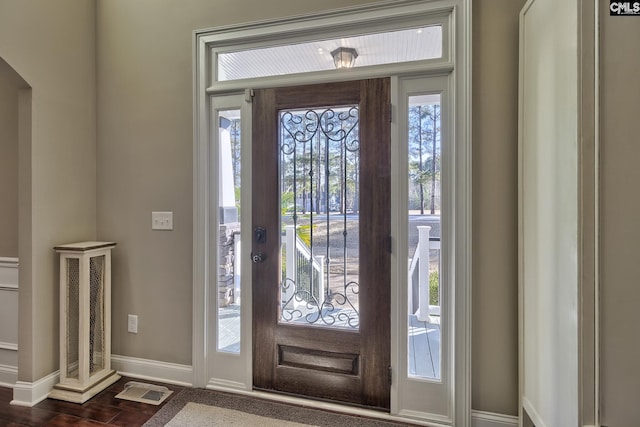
pixel 344 57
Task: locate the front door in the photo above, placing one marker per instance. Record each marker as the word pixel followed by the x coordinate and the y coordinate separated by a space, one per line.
pixel 321 243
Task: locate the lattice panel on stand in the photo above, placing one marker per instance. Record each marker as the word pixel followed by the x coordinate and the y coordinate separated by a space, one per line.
pixel 96 313
pixel 73 307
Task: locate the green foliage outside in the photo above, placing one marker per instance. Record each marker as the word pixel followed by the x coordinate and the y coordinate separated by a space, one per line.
pixel 434 284
pixel 287 207
pixel 236 190
pixel 286 203
pixel 424 157
pixel 303 231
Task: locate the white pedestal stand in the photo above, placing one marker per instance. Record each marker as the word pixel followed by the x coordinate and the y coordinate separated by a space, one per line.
pixel 85 321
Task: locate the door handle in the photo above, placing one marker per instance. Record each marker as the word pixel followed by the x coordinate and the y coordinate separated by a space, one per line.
pixel 258 257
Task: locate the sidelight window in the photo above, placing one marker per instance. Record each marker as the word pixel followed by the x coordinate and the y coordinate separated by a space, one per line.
pixel 228 296
pixel 424 144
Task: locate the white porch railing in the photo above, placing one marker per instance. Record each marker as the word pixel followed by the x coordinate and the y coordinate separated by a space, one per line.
pixel 419 273
pixel 237 267
pixel 298 257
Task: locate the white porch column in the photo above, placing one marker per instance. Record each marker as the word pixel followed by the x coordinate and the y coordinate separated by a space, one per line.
pixel 423 273
pixel 226 189
pixel 320 259
pixel 290 262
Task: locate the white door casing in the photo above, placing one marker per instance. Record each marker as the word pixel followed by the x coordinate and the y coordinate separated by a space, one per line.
pixel 210 95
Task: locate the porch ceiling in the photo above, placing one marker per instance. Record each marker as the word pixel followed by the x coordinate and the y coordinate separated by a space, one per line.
pixel 373 49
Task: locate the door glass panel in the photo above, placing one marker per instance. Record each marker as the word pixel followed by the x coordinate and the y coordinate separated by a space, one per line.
pixel 319 187
pixel 228 262
pixel 424 293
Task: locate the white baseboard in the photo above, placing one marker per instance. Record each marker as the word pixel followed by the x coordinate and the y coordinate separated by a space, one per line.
pixel 224 385
pixel 490 419
pixel 533 414
pixel 423 418
pixel 29 394
pixel 8 376
pixel 153 370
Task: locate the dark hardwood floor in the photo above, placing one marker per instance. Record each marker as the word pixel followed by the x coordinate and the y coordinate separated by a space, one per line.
pixel 102 410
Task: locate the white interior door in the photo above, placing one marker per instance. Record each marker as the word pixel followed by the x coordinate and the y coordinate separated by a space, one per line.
pixel 548 203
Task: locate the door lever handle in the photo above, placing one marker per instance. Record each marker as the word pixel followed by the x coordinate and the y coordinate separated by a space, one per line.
pixel 258 257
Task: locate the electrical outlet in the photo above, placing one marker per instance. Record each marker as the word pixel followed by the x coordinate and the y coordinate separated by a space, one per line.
pixel 162 220
pixel 132 325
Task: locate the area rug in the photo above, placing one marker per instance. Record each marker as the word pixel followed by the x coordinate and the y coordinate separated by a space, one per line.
pixel 197 414
pixel 207 408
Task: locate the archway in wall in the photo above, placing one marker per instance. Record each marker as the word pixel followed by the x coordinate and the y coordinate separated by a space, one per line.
pixel 15 229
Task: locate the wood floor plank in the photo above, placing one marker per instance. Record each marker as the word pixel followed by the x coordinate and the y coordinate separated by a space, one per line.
pixel 64 420
pixel 89 410
pixel 419 346
pixel 424 365
pixel 24 416
pixel 130 418
pixel 6 394
pixel 433 338
pixel 103 410
pixel 11 424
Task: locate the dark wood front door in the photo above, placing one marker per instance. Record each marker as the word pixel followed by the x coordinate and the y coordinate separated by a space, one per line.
pixel 321 242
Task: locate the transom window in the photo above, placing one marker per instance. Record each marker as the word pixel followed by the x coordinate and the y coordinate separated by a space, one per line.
pixel 391 47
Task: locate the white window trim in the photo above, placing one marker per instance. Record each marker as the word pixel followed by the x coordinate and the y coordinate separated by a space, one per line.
pixel 459 34
pixel 226 370
pixel 409 389
pixel 379 16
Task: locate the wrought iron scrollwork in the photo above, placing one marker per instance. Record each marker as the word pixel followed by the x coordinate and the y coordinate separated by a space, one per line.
pixel 335 309
pixel 307 294
pixel 335 126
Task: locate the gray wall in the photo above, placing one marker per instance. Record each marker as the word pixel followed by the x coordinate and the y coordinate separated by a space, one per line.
pixel 495 205
pixel 145 164
pixel 144 131
pixel 8 167
pixel 620 231
pixel 145 149
pixel 51 45
pixel 143 54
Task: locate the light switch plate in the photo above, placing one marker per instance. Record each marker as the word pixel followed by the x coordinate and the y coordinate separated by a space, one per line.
pixel 162 220
pixel 132 323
